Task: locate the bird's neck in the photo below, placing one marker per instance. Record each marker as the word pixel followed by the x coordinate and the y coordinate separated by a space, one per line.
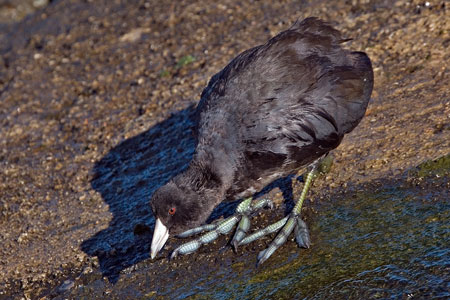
pixel 210 173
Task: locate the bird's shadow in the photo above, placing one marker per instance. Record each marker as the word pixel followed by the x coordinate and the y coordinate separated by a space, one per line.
pixel 127 176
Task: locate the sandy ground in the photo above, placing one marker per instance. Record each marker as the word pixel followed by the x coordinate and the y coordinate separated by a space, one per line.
pixel 79 80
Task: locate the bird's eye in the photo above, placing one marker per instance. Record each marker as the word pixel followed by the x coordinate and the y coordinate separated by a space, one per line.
pixel 172 211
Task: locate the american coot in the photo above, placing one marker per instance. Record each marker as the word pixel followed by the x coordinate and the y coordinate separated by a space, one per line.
pixel 273 110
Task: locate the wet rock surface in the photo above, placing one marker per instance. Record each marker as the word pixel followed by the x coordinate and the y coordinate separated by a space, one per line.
pixel 96 102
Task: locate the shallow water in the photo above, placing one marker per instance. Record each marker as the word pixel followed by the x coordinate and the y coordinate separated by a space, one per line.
pixel 387 245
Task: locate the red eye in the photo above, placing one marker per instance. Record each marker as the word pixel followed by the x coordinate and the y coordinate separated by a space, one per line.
pixel 172 211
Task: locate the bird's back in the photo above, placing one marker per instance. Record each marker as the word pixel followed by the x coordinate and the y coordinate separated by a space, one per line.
pixel 279 106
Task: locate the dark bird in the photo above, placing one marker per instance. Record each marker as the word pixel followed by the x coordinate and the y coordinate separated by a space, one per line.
pixel 273 110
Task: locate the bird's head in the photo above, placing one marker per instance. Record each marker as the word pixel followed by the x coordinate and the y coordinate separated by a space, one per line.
pixel 176 210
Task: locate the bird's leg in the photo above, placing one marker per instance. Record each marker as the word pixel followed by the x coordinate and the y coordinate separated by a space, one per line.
pixel 292 222
pixel 243 211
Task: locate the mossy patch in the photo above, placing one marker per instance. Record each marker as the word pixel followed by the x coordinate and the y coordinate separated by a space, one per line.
pixel 185 60
pixel 433 168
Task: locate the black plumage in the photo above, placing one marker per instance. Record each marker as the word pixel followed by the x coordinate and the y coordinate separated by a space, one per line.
pixel 271 111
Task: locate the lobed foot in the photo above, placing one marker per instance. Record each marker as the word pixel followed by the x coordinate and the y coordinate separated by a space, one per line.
pixel 284 227
pixel 242 215
pixel 291 223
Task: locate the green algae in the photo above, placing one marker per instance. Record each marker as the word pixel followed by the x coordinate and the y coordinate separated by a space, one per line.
pixel 185 60
pixel 433 168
